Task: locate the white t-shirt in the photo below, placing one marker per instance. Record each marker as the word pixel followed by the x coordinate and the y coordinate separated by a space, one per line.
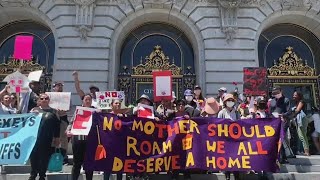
pixel 94 103
pixel 7 110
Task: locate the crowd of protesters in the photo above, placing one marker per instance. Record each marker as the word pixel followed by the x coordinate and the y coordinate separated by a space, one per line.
pixel 55 129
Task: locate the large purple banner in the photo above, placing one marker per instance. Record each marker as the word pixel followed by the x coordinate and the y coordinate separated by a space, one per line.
pixel 136 145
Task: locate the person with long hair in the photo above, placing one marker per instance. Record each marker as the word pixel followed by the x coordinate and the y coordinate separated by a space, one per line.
pixel 198 97
pixel 115 109
pixel 300 120
pixel 79 145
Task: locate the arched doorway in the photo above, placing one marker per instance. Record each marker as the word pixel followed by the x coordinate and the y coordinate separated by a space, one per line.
pixel 155 46
pixel 290 52
pixel 42 52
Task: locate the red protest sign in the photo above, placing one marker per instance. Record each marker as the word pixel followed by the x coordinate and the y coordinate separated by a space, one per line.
pixel 82 121
pixel 162 85
pixel 255 81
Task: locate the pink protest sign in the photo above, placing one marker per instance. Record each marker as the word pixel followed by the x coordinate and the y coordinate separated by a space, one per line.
pixel 23 47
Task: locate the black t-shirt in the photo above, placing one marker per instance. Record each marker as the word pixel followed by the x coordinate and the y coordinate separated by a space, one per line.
pixel 49 126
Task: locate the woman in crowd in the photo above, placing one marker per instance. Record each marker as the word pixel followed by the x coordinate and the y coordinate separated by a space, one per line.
pixel 181 112
pixel 14 101
pixel 116 109
pixel 5 105
pixel 198 97
pixel 229 112
pixel 5 102
pixel 79 145
pixel 211 108
pixel 49 131
pixel 301 122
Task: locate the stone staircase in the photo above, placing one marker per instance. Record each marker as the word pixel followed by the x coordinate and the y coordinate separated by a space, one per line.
pixel 300 168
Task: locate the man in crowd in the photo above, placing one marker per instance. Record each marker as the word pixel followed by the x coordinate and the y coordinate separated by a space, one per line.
pixel 280 105
pixel 58 87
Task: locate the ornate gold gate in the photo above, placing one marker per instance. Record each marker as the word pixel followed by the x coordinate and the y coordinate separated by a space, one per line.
pixel 292 73
pixel 141 82
pixel 11 65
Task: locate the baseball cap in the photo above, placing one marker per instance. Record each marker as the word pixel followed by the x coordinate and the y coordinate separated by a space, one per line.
pixel 188 92
pixel 223 89
pixel 197 87
pixel 57 83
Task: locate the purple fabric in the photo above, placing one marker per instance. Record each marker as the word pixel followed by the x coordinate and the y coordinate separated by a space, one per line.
pixel 262 152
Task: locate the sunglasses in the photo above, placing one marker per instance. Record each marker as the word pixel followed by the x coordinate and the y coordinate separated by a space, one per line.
pixel 44 98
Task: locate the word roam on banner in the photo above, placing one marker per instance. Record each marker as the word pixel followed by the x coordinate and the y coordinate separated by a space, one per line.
pixel 145 145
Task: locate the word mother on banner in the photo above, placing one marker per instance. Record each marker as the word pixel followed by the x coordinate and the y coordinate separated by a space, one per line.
pixel 137 145
pixel 105 99
pixel 18 135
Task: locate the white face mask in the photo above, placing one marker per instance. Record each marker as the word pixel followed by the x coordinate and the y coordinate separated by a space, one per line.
pixel 230 104
pixel 278 96
pixel 189 98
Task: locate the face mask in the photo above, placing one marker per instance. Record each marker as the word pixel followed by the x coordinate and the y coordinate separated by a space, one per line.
pixel 230 104
pixel 278 96
pixel 189 98
pixel 262 106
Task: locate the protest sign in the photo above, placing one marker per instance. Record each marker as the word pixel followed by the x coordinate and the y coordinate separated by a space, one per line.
pixel 60 100
pixel 105 99
pixel 139 145
pixel 145 111
pixel 162 85
pixel 35 75
pixel 18 82
pixel 18 135
pixel 255 81
pixel 82 121
pixel 23 48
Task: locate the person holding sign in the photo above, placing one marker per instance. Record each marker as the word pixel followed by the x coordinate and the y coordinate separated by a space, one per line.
pixel 116 109
pixel 49 131
pixel 79 144
pixel 58 87
pixel 229 112
pixel 5 102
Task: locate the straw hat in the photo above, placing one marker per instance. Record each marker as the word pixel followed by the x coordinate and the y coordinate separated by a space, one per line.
pixel 228 96
pixel 211 106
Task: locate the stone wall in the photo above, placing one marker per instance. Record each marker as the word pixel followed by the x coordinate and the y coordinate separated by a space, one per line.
pixel 89 33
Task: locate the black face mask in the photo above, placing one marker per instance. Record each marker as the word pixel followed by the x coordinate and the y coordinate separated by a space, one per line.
pixel 262 106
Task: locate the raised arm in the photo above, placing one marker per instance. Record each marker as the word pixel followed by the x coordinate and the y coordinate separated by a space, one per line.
pixel 4 90
pixel 77 84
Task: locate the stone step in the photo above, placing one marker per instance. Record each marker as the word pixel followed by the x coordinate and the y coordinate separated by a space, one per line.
pixel 305 160
pixel 67 169
pixel 217 176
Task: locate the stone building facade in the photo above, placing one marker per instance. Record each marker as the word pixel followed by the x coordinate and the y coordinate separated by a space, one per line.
pixel 225 35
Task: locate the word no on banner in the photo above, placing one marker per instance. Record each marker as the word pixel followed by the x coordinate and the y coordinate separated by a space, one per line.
pixel 138 145
pixel 105 99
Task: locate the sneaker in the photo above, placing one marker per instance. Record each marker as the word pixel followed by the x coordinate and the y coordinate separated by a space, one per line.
pixel 82 171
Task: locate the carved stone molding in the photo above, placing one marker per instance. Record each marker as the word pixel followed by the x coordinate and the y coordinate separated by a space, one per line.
pixel 84 16
pixel 158 3
pixel 15 2
pixel 229 15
